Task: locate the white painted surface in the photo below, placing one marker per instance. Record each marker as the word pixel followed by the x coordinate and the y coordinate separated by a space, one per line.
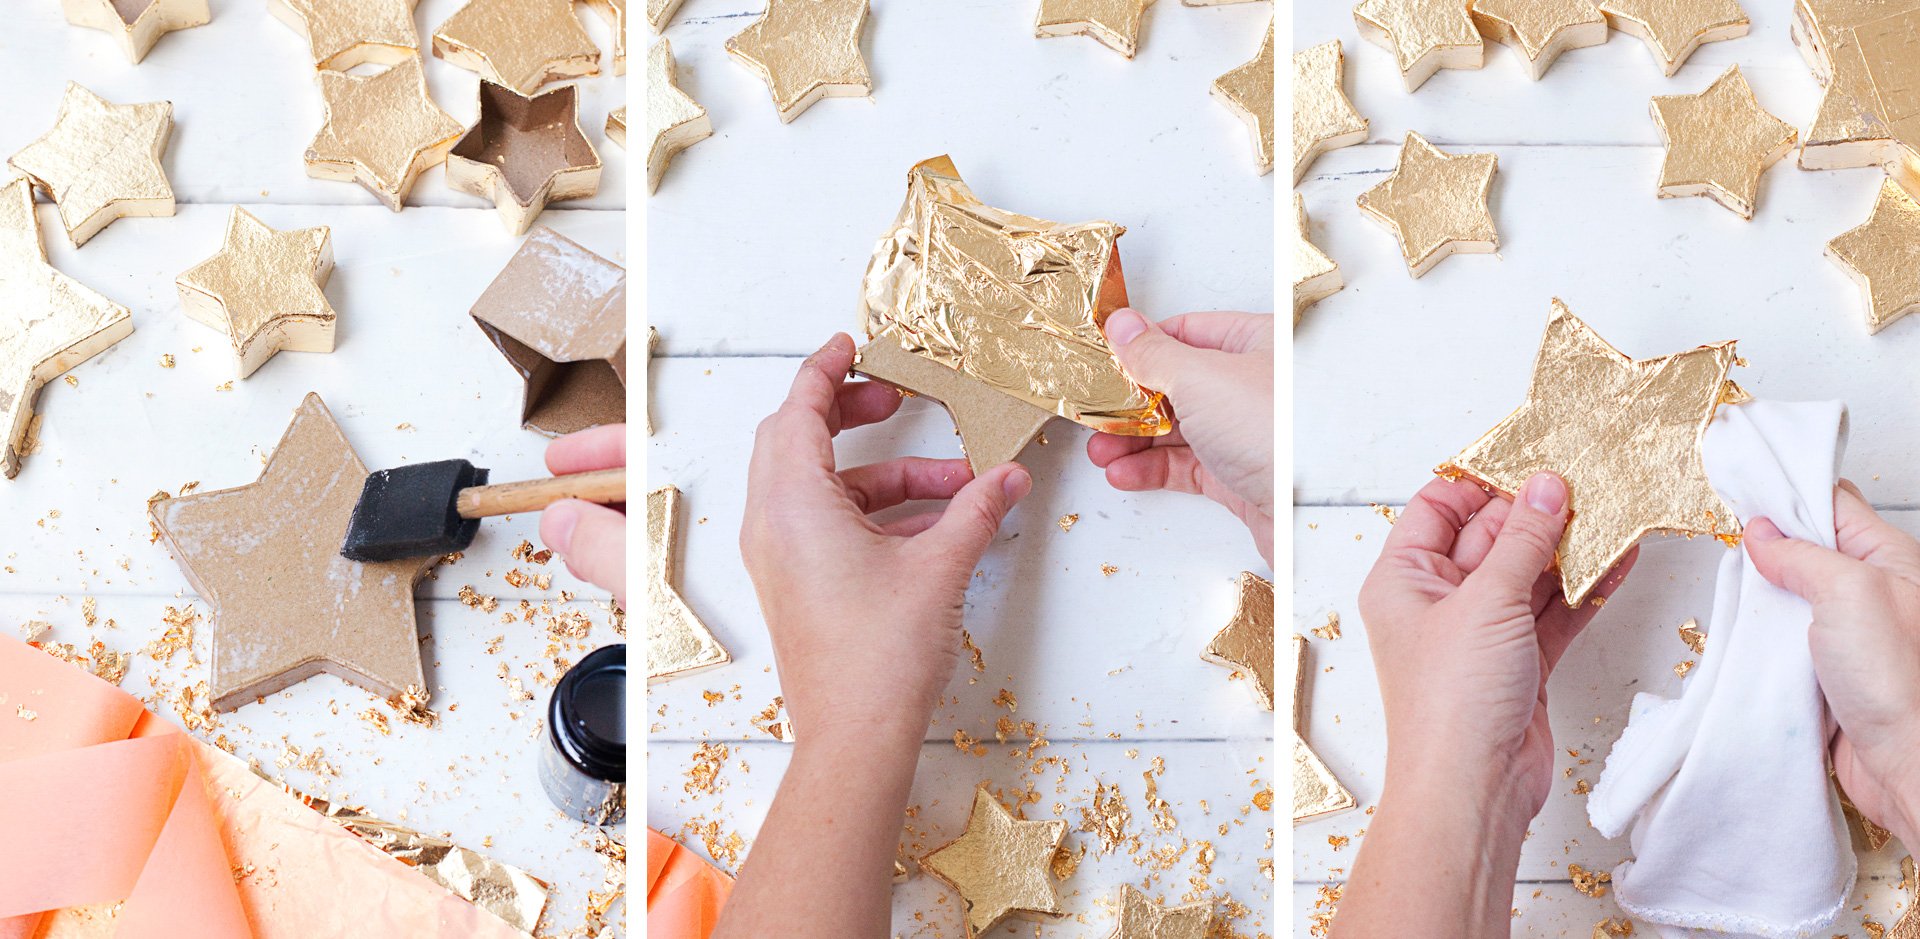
pixel 407 353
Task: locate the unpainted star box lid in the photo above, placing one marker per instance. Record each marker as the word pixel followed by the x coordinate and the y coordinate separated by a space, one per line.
pixel 558 312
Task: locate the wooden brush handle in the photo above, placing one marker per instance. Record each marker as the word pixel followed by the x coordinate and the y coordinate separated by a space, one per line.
pixel 601 486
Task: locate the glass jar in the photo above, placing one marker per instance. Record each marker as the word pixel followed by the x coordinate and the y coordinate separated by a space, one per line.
pixel 584 768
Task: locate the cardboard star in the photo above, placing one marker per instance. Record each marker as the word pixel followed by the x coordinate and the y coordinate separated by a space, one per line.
pixel 993 426
pixel 381 131
pixel 342 34
pixel 1248 92
pixel 1424 36
pixel 1113 23
pixel 150 19
pixel 263 290
pixel 1867 55
pixel 1001 866
pixel 1323 118
pixel 558 313
pixel 1540 30
pixel 1245 644
pixel 101 161
pixel 1719 143
pixel 1883 256
pixel 1141 918
pixel 522 44
pixel 674 120
pixel 1316 791
pixel 1673 29
pixel 678 642
pixel 1315 276
pixel 660 13
pixel 615 13
pixel 1624 433
pixel 286 605
pixel 806 50
pixel 525 152
pixel 49 322
pixel 1436 204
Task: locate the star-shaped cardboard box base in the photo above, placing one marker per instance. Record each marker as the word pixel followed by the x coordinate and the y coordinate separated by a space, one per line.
pixel 263 290
pixel 1883 256
pixel 286 605
pixel 558 312
pixel 993 426
pixel 525 152
pixel 1001 866
pixel 678 642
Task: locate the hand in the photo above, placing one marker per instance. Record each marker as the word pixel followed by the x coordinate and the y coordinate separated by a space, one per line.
pixel 591 538
pixel 864 616
pixel 1865 640
pixel 1216 370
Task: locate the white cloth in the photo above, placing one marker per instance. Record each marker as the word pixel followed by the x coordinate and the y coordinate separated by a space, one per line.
pixel 1736 828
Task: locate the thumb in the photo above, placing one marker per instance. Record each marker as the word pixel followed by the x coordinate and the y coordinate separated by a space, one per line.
pixel 1150 356
pixel 1801 567
pixel 592 539
pixel 971 519
pixel 1531 533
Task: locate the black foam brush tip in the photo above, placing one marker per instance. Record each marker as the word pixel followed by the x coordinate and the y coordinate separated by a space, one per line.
pixel 410 512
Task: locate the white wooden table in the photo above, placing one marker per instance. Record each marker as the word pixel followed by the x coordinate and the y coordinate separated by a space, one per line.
pixel 245 106
pixel 1393 376
pixel 757 240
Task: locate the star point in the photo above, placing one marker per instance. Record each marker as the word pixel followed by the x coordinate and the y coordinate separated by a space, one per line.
pixel 1113 23
pixel 151 20
pixel 522 44
pixel 1436 204
pixel 678 642
pixel 674 120
pixel 1315 276
pixel 1323 117
pixel 1247 91
pixel 264 291
pixel 101 162
pixel 1674 29
pixel 1719 143
pixel 1001 866
pixel 381 131
pixel 1316 791
pixel 1140 917
pixel 1245 644
pixel 343 34
pixel 525 152
pixel 1883 256
pixel 1541 30
pixel 806 50
pixel 1424 36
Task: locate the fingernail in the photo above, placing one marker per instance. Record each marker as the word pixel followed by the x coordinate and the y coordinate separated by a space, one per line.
pixel 556 526
pixel 1124 325
pixel 1547 493
pixel 1017 483
pixel 1763 529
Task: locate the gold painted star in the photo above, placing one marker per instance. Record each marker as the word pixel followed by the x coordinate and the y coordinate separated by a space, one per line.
pixel 101 161
pixel 674 120
pixel 1867 55
pixel 1424 36
pixel 1316 791
pixel 678 642
pixel 1624 433
pixel 1141 918
pixel 615 13
pixel 806 50
pixel 286 605
pixel 1436 204
pixel 49 322
pixel 617 127
pixel 263 290
pixel 525 152
pixel 1315 276
pixel 342 34
pixel 1001 866
pixel 1248 92
pixel 1719 143
pixel 1883 256
pixel 1323 118
pixel 660 13
pixel 1114 23
pixel 522 44
pixel 1541 30
pixel 381 131
pixel 1673 29
pixel 1245 644
pixel 150 20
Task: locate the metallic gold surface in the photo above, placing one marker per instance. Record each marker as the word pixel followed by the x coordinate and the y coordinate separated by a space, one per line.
pixel 49 322
pixel 1424 36
pixel 615 13
pixel 1719 143
pixel 1323 118
pixel 508 892
pixel 1883 256
pixel 660 13
pixel 101 161
pixel 674 120
pixel 1246 643
pixel 1673 29
pixel 1114 23
pixel 1000 866
pixel 1012 301
pixel 1141 918
pixel 525 152
pixel 522 44
pixel 381 131
pixel 1867 55
pixel 1540 30
pixel 1248 92
pixel 617 127
pixel 1315 790
pixel 1624 433
pixel 678 643
pixel 806 50
pixel 343 34
pixel 1436 204
pixel 1315 276
pixel 263 291
pixel 151 20
pixel 1908 925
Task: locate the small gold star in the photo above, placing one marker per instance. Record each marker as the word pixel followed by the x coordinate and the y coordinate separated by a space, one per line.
pixel 1436 204
pixel 1540 30
pixel 1673 29
pixel 1315 276
pixel 101 161
pixel 263 290
pixel 525 152
pixel 342 34
pixel 806 50
pixel 1001 866
pixel 1141 918
pixel 1323 118
pixel 1245 644
pixel 1868 57
pixel 674 120
pixel 1424 36
pixel 1316 791
pixel 1883 256
pixel 381 131
pixel 522 44
pixel 1114 23
pixel 678 642
pixel 1248 92
pixel 1719 143
pixel 149 21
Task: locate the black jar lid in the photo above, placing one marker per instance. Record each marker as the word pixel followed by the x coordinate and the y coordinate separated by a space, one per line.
pixel 587 715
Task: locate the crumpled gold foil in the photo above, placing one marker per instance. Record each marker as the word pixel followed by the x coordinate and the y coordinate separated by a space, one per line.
pixel 1315 790
pixel 1883 256
pixel 1013 301
pixel 1719 143
pixel 501 889
pixel 1323 117
pixel 1867 54
pixel 1624 433
pixel 1245 644
pixel 1001 866
pixel 678 643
